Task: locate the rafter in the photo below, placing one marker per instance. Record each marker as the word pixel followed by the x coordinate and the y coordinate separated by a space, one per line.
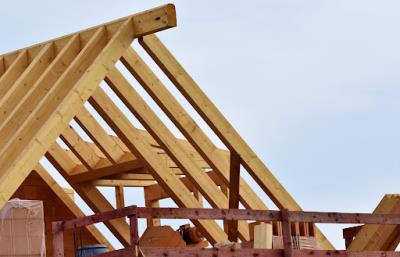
pixel 186 124
pixel 99 136
pixel 133 140
pixel 221 126
pixel 22 85
pixel 168 142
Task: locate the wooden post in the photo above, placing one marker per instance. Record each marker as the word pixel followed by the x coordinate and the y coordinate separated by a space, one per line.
pixel 287 233
pixel 151 222
pixel 133 222
pixel 234 179
pixel 58 239
pixel 119 197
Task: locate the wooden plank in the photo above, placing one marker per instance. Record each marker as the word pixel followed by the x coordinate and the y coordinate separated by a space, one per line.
pixel 186 124
pixel 63 102
pixel 69 202
pixel 80 148
pixel 221 126
pixel 36 92
pixel 263 236
pixel 89 193
pixel 22 85
pixel 146 22
pixel 151 222
pixel 234 179
pixel 379 237
pixel 133 139
pixel 119 197
pixel 88 175
pixel 13 72
pixel 99 136
pixel 156 192
pixel 122 183
pixel 168 142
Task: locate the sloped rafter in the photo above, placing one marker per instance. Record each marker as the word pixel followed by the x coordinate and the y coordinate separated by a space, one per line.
pixel 167 140
pixel 133 139
pixel 21 152
pixel 99 136
pixel 222 128
pixel 377 237
pixel 186 124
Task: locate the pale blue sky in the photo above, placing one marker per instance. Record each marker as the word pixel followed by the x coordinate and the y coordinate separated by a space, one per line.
pixel 312 86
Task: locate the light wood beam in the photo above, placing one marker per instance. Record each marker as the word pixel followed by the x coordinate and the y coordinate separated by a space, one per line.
pixel 22 85
pixel 35 93
pixel 13 72
pixel 223 129
pixel 168 142
pixel 80 148
pixel 152 204
pixel 119 197
pixel 88 175
pixel 90 194
pixel 99 136
pixel 122 183
pixel 187 125
pixel 62 103
pixel 377 237
pixel 133 139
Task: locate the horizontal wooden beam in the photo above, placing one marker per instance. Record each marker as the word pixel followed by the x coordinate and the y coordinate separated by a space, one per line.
pixel 122 183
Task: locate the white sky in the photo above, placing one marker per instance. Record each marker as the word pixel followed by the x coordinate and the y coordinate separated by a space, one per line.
pixel 312 86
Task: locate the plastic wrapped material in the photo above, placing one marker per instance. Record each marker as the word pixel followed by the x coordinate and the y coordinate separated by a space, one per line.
pixel 22 229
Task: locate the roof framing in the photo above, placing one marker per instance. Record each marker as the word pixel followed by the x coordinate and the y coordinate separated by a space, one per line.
pixel 46 86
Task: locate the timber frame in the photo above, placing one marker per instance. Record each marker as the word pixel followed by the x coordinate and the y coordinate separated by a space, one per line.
pixel 59 100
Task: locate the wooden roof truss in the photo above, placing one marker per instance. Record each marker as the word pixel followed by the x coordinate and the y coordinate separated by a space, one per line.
pixel 45 87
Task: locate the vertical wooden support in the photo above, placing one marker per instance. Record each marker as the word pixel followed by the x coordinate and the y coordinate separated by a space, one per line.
pixel 234 179
pixel 58 240
pixel 119 197
pixel 151 222
pixel 287 233
pixel 133 222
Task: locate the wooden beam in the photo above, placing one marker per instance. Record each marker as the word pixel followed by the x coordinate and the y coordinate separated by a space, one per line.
pixel 37 91
pixel 167 141
pixel 99 136
pixel 63 102
pixel 156 192
pixel 379 237
pixel 144 23
pixel 133 139
pixel 89 193
pixel 80 148
pixel 221 126
pixel 11 75
pixel 89 175
pixel 151 222
pixel 119 197
pixel 186 124
pixel 234 179
pixel 122 183
pixel 20 88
